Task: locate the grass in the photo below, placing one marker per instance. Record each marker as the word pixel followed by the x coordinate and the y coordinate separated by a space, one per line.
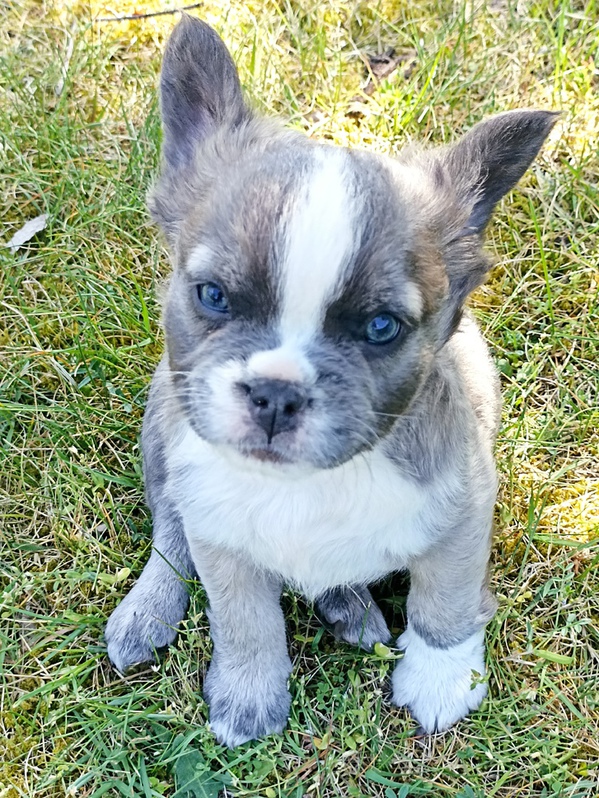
pixel 79 337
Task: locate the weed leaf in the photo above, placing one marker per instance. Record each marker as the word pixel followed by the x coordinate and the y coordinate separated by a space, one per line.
pixel 193 778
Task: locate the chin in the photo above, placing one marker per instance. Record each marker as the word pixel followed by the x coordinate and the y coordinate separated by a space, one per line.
pixel 267 456
pixel 264 459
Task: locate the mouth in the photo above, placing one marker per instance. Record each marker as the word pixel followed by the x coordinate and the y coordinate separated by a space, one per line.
pixel 266 456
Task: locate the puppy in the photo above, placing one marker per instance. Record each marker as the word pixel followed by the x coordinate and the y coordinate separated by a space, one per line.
pixel 325 412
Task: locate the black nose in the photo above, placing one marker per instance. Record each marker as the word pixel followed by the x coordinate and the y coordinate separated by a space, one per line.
pixel 275 405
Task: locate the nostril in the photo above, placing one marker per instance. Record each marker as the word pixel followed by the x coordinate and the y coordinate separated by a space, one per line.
pixel 275 405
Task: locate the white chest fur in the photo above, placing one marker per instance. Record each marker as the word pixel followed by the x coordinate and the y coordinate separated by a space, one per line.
pixel 317 529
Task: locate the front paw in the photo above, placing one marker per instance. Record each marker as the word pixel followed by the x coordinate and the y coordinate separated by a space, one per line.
pixel 144 622
pixel 246 703
pixel 439 685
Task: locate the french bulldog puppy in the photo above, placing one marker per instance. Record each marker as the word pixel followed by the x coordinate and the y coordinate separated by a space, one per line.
pixel 326 410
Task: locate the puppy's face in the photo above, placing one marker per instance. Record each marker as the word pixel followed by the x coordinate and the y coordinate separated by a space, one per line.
pixel 303 315
pixel 313 285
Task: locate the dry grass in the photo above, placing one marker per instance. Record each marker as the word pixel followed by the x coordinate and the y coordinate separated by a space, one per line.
pixel 79 140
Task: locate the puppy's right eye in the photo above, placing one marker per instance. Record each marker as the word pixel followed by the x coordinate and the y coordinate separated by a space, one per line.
pixel 213 297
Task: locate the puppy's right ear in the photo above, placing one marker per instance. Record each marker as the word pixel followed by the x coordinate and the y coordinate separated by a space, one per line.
pixel 199 91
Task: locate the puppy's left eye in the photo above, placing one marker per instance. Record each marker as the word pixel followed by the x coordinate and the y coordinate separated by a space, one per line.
pixel 213 297
pixel 383 329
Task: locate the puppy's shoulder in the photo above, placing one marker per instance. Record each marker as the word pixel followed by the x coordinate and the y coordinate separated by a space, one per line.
pixel 477 374
pixel 455 415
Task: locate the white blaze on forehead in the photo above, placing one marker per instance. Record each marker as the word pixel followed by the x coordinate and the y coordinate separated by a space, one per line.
pixel 319 239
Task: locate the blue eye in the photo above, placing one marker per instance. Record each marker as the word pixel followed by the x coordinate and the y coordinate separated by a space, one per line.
pixel 383 329
pixel 213 297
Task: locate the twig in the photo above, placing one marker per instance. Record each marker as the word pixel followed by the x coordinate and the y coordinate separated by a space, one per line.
pixel 149 14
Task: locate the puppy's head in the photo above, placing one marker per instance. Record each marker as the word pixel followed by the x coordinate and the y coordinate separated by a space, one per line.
pixel 313 285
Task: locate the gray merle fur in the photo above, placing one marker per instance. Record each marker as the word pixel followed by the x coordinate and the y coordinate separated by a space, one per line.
pixel 421 411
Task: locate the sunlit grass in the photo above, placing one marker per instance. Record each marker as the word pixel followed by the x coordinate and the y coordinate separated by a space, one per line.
pixel 79 337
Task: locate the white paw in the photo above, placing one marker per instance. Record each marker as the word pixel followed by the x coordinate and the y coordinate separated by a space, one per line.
pixel 439 685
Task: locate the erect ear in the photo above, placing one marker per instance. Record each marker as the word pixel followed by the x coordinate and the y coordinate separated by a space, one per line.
pixel 199 90
pixel 483 166
pixel 489 160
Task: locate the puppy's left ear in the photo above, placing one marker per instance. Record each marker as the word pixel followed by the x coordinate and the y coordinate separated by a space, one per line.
pixel 489 160
pixel 483 166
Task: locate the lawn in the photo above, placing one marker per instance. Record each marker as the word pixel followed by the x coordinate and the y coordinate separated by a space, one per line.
pixel 80 336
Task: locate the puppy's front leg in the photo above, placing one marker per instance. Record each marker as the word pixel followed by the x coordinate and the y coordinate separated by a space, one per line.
pixel 147 618
pixel 440 676
pixel 246 684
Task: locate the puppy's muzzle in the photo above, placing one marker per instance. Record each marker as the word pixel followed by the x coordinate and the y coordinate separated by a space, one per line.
pixel 275 405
